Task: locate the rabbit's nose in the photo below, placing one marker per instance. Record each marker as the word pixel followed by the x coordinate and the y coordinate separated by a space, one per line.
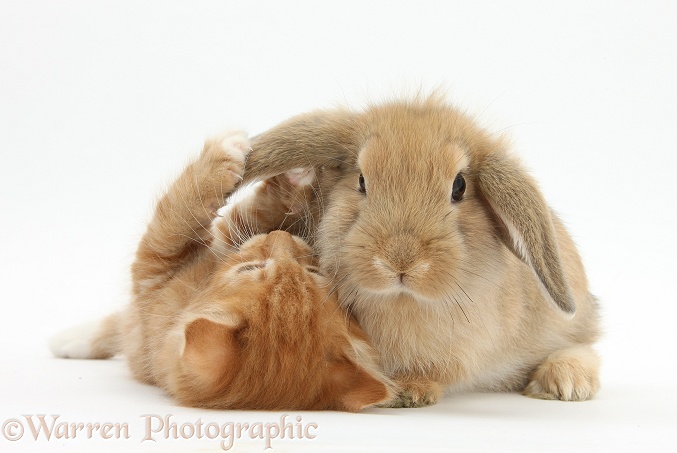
pixel 402 257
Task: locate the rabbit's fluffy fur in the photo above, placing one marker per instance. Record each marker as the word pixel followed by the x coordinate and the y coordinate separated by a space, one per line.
pixel 484 293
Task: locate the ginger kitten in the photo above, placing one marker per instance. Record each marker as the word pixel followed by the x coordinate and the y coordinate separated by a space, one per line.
pixel 225 318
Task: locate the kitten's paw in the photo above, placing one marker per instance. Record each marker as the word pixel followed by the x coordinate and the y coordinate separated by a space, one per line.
pixel 75 342
pixel 235 144
pixel 225 157
pixel 415 394
pixel 299 177
pixel 567 375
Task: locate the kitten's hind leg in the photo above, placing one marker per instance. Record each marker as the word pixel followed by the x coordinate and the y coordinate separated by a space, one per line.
pixel 93 340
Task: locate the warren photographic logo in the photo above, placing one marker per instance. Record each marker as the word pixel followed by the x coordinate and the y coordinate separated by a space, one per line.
pixel 158 428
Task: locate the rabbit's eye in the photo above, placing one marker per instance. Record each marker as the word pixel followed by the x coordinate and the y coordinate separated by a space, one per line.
pixel 458 189
pixel 363 189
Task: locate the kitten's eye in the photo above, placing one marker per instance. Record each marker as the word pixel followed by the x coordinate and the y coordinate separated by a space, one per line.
pixel 251 267
pixel 313 270
pixel 458 189
pixel 363 188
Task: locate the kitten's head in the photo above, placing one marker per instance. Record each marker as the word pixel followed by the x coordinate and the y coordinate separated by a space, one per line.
pixel 268 334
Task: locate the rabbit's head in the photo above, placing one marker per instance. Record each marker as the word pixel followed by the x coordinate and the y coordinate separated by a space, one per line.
pixel 424 202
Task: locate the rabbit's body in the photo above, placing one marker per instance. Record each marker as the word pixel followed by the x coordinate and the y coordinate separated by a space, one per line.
pixel 443 248
pixel 467 346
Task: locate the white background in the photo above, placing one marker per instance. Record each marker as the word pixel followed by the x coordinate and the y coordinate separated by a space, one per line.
pixel 101 104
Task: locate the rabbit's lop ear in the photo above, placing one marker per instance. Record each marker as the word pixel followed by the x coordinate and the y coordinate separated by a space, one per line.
pixel 320 138
pixel 515 198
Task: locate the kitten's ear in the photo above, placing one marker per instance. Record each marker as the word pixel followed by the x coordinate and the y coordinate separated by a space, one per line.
pixel 359 388
pixel 210 350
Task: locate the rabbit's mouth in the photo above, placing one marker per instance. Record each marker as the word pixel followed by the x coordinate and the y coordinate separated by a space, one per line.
pixel 388 279
pixel 400 292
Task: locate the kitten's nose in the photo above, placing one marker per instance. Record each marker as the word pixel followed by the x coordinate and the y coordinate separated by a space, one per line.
pixel 280 243
pixel 279 235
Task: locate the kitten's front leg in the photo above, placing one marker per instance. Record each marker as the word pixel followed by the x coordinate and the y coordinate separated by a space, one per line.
pixel 181 224
pixel 282 202
pixel 220 168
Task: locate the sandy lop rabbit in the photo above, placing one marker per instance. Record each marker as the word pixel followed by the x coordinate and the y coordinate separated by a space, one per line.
pixel 444 249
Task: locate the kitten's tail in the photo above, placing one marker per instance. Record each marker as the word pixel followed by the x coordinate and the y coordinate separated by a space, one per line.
pixel 93 340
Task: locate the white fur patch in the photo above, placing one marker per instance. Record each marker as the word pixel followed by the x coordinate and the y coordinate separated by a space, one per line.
pixel 385 268
pixel 236 144
pixel 462 163
pixel 75 342
pixel 220 244
pixel 517 240
pixel 149 283
pixel 301 176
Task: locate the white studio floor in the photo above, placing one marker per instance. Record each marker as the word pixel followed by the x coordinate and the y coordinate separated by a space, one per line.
pixel 625 416
pixel 102 103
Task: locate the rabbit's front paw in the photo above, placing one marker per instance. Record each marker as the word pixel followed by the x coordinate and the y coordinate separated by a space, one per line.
pixel 567 375
pixel 414 393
